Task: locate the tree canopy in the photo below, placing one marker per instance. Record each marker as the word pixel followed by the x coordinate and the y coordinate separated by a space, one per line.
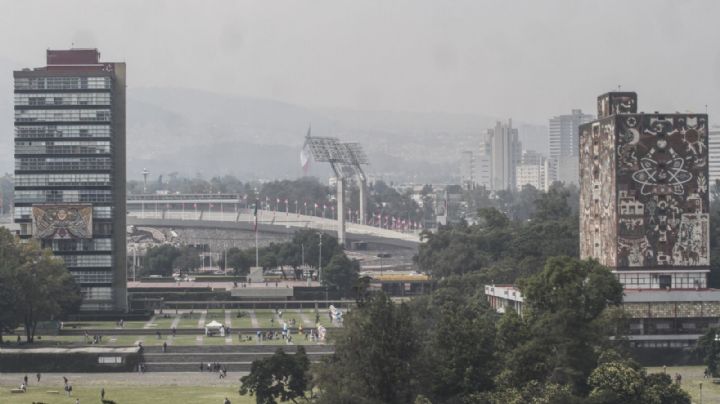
pixel 34 285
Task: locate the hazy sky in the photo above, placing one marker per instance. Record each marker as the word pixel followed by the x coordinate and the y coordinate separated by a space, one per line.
pixel 525 59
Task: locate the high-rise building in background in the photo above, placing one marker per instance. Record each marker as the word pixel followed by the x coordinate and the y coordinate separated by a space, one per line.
pixel 505 155
pixel 70 168
pixel 483 162
pixel 467 169
pixel 714 156
pixel 563 144
pixel 536 170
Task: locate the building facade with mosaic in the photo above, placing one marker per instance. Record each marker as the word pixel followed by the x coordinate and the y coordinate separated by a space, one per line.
pixel 644 194
pixel 644 214
pixel 70 169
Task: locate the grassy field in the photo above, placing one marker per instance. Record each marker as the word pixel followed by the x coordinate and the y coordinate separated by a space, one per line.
pixel 692 377
pixel 131 395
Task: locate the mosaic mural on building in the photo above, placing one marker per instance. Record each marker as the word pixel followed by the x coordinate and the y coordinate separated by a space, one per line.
pixel 616 103
pixel 644 187
pixel 62 221
pixel 662 186
pixel 597 194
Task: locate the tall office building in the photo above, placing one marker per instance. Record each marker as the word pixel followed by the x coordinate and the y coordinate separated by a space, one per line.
pixel 714 156
pixel 70 168
pixel 467 169
pixel 536 170
pixel 563 144
pixel 483 163
pixel 644 195
pixel 505 155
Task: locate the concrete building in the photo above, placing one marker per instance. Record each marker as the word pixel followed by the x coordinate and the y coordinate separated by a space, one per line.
pixel 644 214
pixel 563 144
pixel 483 163
pixel 535 170
pixel 70 168
pixel 714 156
pixel 505 155
pixel 503 298
pixel 467 169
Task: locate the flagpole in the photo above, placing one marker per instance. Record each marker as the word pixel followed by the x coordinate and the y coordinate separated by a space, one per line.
pixel 257 254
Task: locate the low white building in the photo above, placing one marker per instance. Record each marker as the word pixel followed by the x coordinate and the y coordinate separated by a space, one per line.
pixel 504 297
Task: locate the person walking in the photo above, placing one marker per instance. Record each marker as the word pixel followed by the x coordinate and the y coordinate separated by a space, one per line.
pixel 26 380
pixel 102 393
pixel 38 377
pixel 227 401
pixel 164 347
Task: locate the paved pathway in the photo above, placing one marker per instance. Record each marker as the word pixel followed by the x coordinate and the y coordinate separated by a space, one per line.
pixel 201 321
pixel 150 323
pixel 228 323
pixel 305 319
pixel 253 319
pixel 176 321
pixel 54 381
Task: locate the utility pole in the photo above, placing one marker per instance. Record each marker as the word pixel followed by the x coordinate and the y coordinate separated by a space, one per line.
pixel 320 260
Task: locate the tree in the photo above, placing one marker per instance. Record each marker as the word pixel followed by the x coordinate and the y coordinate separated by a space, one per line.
pixel 564 307
pixel 240 261
pixel 708 347
pixel 374 359
pixel 9 289
pixel 159 260
pixel 458 357
pixel 281 376
pixel 47 291
pixel 341 273
pixel 188 260
pixel 625 383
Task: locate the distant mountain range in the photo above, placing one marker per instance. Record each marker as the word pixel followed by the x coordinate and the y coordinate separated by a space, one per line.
pixel 197 132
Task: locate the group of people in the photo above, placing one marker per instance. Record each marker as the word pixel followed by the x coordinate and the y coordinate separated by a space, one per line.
pixel 214 367
pixel 96 339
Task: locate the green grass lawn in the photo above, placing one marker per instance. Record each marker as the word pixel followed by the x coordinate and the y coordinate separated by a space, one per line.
pixel 131 395
pixel 692 377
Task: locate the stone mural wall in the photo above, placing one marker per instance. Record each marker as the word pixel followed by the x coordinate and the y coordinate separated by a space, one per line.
pixel 644 187
pixel 598 216
pixel 662 185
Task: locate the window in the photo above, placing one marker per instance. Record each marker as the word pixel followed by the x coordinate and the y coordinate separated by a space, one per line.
pixel 63 163
pixel 96 293
pixel 62 147
pixel 41 115
pixel 92 276
pixel 62 83
pixel 29 180
pixel 100 98
pixel 61 131
pixel 80 261
pixel 665 281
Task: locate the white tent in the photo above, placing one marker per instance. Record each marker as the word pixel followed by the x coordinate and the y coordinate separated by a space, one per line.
pixel 214 327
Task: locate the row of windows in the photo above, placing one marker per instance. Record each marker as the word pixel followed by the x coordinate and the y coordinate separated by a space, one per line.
pixel 62 83
pixel 42 196
pixel 80 261
pixel 63 99
pixel 96 293
pixel 63 163
pixel 96 244
pixel 29 180
pixel 67 147
pixel 32 115
pixel 62 131
pixel 99 212
pixel 651 281
pixel 92 276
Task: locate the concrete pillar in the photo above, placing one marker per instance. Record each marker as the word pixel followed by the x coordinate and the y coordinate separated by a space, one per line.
pixel 363 200
pixel 340 208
